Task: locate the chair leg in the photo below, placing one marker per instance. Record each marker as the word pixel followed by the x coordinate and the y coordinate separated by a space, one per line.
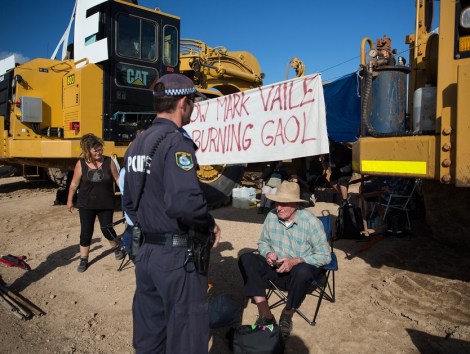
pixel 333 292
pixel 408 220
pixel 323 293
pixel 125 261
pixel 274 289
pixel 301 314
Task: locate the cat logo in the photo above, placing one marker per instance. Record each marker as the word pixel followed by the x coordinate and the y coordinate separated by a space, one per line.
pixel 137 77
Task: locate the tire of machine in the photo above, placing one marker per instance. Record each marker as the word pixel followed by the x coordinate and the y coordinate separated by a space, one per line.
pixel 62 179
pixel 219 192
pixel 7 171
pixel 58 176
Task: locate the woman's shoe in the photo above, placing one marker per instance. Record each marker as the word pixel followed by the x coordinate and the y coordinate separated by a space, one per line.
pixel 83 265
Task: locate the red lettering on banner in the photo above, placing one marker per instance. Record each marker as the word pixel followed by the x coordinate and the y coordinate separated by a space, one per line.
pixel 201 115
pixel 225 139
pixel 308 91
pixel 304 138
pixel 265 138
pixel 232 106
pixel 279 132
pixel 281 96
pixel 292 121
pixel 282 132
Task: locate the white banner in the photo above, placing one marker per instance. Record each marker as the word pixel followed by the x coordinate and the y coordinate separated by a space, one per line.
pixel 275 122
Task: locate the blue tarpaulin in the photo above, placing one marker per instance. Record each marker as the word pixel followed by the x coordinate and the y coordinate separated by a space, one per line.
pixel 343 108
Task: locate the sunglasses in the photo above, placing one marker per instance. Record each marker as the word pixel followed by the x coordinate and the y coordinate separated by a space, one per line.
pixel 191 97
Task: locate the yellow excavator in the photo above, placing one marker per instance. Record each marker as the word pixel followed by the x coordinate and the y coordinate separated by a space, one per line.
pixel 415 117
pixel 101 85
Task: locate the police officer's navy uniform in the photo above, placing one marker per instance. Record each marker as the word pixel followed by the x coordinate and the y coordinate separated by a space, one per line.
pixel 170 308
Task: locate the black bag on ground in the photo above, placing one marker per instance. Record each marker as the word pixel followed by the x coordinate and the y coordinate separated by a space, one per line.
pixel 225 311
pixel 247 339
pixel 349 222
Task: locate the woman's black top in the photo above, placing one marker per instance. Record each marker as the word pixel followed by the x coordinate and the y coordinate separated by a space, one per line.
pixel 96 190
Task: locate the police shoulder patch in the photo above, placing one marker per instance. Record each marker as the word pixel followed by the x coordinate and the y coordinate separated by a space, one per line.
pixel 184 160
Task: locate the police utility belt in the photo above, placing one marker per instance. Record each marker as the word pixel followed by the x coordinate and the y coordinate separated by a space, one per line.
pixel 198 247
pixel 176 240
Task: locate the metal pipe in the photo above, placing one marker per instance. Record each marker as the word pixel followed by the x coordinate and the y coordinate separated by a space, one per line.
pixel 236 73
pixel 363 48
pixel 10 307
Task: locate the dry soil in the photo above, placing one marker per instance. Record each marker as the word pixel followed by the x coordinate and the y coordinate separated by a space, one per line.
pixel 393 295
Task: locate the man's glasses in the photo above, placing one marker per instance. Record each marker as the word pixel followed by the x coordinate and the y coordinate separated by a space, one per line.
pixel 191 97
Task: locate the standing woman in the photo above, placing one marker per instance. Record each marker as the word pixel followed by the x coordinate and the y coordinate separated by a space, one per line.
pixel 94 175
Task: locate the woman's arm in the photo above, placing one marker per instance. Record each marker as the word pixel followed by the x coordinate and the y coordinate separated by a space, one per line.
pixel 77 175
pixel 115 173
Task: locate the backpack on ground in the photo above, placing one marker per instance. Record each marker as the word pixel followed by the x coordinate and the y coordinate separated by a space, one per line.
pixel 349 222
pixel 252 339
pixel 224 311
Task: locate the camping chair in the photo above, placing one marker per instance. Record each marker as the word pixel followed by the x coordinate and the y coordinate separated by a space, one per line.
pixel 126 260
pixel 399 202
pixel 323 288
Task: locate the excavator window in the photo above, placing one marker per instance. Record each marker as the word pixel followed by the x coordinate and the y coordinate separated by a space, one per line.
pixel 170 46
pixel 136 38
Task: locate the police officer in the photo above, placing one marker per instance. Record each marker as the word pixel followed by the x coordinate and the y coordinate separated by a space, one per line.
pixel 170 307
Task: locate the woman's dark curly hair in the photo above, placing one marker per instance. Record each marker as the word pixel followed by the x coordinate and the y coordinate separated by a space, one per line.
pixel 87 143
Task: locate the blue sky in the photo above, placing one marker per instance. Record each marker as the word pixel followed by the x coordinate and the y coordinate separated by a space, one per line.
pixel 325 35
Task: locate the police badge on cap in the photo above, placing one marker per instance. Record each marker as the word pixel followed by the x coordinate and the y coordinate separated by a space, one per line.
pixel 184 160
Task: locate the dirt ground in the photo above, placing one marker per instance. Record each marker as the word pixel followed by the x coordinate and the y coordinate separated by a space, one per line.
pixel 393 295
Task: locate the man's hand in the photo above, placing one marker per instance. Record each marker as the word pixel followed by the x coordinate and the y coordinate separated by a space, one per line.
pixel 217 233
pixel 286 264
pixel 271 258
pixel 69 206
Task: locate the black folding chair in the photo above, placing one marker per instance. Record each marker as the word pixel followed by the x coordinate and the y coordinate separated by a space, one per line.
pixel 323 288
pixel 400 202
pixel 126 260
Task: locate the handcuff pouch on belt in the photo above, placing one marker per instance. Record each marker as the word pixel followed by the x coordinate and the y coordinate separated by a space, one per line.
pixel 199 250
pixel 136 241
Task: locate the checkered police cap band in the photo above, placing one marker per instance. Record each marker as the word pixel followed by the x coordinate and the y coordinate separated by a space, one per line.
pixel 176 92
pixel 174 85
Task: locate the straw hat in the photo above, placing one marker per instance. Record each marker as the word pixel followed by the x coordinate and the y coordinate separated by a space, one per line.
pixel 288 192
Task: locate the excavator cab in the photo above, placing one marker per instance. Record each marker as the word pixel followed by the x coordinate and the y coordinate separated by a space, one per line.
pixel 142 45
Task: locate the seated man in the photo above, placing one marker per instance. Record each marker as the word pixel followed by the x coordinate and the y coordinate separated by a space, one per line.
pixel 292 246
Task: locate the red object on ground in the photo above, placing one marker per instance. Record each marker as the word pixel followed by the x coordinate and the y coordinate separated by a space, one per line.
pixel 15 261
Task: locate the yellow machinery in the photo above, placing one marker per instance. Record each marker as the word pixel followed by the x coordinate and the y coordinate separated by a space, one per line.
pixel 217 72
pixel 415 118
pixel 47 105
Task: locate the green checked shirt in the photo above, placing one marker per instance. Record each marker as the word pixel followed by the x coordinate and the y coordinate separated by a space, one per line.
pixel 304 238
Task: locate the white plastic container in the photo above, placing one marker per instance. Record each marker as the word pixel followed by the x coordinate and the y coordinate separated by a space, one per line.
pixel 236 201
pixel 424 109
pixel 243 197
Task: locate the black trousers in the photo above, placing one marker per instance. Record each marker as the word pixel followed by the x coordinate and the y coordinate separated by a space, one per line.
pixel 170 308
pixel 256 271
pixel 87 224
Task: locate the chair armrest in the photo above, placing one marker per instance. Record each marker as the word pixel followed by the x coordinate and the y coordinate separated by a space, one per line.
pixel 333 265
pixel 367 195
